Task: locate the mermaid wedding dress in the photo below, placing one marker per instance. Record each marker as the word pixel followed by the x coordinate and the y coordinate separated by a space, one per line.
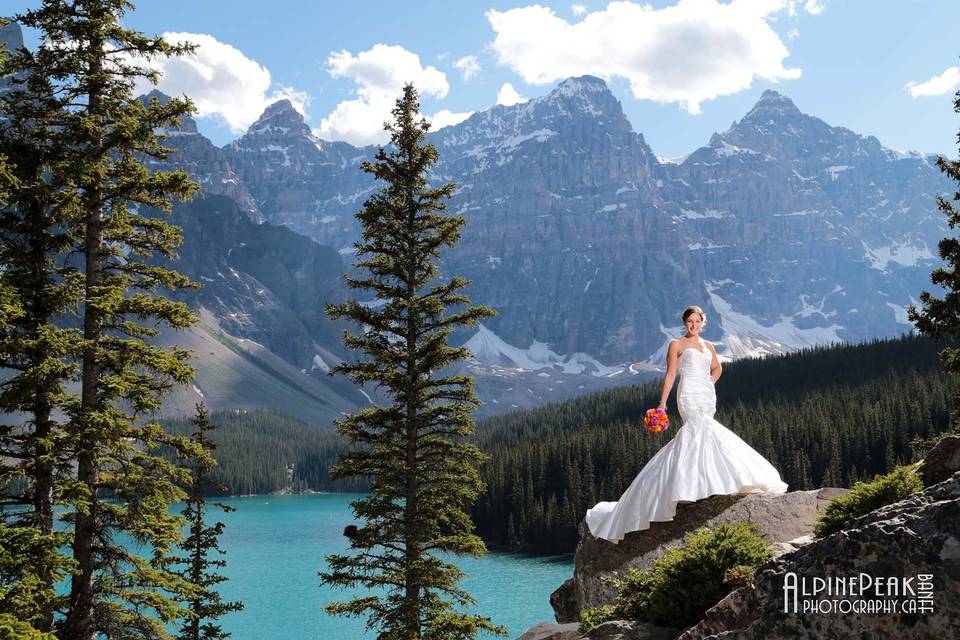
pixel 703 459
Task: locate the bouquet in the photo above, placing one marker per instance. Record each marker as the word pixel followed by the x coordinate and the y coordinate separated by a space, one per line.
pixel 656 420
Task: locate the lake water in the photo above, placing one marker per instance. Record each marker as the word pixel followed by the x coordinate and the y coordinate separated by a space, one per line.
pixel 276 545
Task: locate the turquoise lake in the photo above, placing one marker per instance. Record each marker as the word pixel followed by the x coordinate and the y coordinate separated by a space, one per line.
pixel 276 545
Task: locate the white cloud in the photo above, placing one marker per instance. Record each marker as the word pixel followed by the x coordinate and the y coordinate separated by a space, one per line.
pixel 508 95
pixel 813 7
pixel 688 53
pixel 578 10
pixel 468 65
pixel 939 85
pixel 446 118
pixel 379 74
pixel 792 34
pixel 221 81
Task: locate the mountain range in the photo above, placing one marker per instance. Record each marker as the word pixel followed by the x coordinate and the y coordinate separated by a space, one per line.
pixel 790 232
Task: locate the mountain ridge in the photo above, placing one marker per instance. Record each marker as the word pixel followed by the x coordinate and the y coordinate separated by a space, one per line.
pixel 789 231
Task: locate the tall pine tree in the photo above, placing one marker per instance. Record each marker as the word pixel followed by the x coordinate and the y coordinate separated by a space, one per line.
pixel 423 471
pixel 121 485
pixel 35 345
pixel 940 317
pixel 197 560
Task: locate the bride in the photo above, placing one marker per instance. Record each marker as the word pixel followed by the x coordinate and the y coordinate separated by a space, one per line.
pixel 703 459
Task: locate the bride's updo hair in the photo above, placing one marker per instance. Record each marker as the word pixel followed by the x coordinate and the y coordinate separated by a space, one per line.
pixel 692 309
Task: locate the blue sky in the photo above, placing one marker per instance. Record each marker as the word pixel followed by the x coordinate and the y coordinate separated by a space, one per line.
pixel 682 69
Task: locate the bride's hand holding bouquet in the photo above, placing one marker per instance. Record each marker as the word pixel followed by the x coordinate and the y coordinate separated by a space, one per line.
pixel 656 420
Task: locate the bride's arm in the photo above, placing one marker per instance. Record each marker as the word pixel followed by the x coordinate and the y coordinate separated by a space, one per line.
pixel 672 352
pixel 715 368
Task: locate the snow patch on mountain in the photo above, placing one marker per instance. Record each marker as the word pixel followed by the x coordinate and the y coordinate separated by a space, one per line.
pixel 900 313
pixel 906 254
pixel 744 337
pixel 318 363
pixel 491 350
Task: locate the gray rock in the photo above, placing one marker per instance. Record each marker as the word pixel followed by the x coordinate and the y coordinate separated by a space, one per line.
pixel 11 36
pixel 564 602
pixel 205 162
pixel 781 518
pixel 551 631
pixel 624 630
pixel 916 536
pixel 941 462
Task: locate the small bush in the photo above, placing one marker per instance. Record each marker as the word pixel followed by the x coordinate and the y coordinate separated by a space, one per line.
pixel 864 497
pixel 595 616
pixel 688 580
pixel 739 576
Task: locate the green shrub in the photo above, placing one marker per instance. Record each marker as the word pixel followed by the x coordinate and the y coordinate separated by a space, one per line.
pixel 687 580
pixel 864 497
pixel 595 616
pixel 739 576
pixel 13 629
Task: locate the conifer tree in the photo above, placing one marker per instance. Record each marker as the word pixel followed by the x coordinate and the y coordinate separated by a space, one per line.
pixel 121 486
pixel 34 344
pixel 940 317
pixel 423 473
pixel 197 559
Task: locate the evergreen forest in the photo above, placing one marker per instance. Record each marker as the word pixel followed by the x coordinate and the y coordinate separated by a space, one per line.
pixel 261 451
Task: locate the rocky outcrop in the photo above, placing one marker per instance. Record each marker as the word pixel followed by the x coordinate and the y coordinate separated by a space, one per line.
pixel 310 185
pixel 205 162
pixel 551 631
pixel 917 538
pixel 941 462
pixel 614 630
pixel 626 630
pixel 781 518
pixel 263 282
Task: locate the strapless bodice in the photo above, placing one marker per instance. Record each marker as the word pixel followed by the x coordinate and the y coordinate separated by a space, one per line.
pixel 696 395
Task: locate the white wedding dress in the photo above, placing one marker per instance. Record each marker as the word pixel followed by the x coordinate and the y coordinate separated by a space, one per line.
pixel 703 459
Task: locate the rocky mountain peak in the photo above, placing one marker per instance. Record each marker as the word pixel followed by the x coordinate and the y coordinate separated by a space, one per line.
pixel 582 85
pixel 777 128
pixel 772 103
pixel 11 39
pixel 187 124
pixel 586 95
pixel 573 108
pixel 280 119
pixel 11 36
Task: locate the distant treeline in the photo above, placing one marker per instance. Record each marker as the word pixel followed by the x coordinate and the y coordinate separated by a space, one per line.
pixel 826 416
pixel 261 452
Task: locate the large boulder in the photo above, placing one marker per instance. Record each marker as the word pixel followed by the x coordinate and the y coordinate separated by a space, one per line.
pixel 941 462
pixel 781 518
pixel 615 630
pixel 551 631
pixel 918 536
pixel 626 630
